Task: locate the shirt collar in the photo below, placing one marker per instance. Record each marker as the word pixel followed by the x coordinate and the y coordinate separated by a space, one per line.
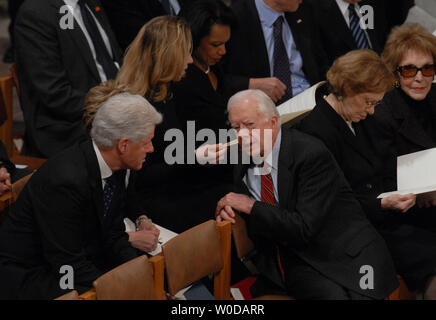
pixel 272 159
pixel 72 3
pixel 267 15
pixel 343 6
pixel 105 170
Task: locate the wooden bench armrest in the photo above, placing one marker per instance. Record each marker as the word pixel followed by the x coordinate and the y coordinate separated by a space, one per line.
pixel 6 200
pixel 89 295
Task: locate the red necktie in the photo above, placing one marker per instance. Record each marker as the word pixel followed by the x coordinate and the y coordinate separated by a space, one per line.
pixel 267 196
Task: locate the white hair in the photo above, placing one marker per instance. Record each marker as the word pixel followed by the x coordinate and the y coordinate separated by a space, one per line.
pixel 124 115
pixel 265 104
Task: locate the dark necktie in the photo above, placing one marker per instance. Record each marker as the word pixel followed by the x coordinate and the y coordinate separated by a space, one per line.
pixel 101 51
pixel 167 7
pixel 109 192
pixel 358 34
pixel 267 196
pixel 282 69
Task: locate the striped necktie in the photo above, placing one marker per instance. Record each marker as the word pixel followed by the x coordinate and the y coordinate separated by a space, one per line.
pixel 267 196
pixel 358 34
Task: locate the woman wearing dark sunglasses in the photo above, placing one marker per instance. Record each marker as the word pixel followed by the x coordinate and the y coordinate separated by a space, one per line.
pixel 406 117
pixel 406 123
pixel 343 121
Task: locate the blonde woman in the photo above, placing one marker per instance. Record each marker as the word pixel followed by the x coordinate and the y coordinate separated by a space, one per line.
pixel 156 59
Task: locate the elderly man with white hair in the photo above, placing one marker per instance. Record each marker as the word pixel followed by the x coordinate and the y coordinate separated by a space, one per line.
pixel 70 214
pixel 312 238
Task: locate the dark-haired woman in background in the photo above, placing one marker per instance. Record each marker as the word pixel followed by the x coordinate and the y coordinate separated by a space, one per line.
pixel 201 96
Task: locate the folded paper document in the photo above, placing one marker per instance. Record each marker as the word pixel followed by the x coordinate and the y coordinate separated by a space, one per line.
pixel 164 236
pixel 296 108
pixel 416 173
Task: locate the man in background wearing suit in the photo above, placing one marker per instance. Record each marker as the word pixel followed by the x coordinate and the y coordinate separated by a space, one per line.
pixel 128 16
pixel 71 211
pixel 275 48
pixel 343 27
pixel 311 234
pixel 57 64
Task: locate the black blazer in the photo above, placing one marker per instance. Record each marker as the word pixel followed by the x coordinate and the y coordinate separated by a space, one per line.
pixel 55 70
pixel 58 220
pixel 318 219
pixel 336 36
pixel 196 99
pixel 247 55
pixel 355 155
pixel 398 132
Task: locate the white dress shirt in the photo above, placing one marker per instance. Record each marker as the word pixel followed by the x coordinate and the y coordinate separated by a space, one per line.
pixel 343 6
pixel 73 4
pixel 105 170
pixel 252 178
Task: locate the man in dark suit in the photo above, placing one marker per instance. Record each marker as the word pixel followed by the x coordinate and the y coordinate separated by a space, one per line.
pixel 128 16
pixel 13 6
pixel 311 235
pixel 280 56
pixel 335 20
pixel 63 48
pixel 70 213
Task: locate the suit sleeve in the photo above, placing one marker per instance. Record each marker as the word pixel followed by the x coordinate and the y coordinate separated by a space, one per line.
pixel 40 63
pixel 383 138
pixel 4 159
pixel 117 244
pixel 317 181
pixel 60 212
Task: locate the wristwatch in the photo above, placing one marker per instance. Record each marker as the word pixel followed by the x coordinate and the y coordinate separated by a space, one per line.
pixel 139 221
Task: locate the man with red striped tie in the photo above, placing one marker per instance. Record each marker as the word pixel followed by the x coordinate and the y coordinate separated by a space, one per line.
pixel 312 238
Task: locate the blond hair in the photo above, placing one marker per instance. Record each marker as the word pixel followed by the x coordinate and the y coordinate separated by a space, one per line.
pixel 359 71
pixel 156 57
pixel 96 97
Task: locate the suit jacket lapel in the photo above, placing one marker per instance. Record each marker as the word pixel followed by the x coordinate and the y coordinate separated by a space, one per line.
pixel 94 178
pixel 258 40
pixel 335 16
pixel 79 38
pixel 239 173
pixel 102 19
pixel 284 175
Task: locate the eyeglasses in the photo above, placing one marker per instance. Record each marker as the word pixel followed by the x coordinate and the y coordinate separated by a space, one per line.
pixel 372 103
pixel 410 71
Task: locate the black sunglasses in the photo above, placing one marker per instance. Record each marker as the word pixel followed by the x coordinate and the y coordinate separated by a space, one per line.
pixel 410 70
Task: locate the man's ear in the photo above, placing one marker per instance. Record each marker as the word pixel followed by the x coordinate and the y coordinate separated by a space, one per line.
pixel 274 120
pixel 122 145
